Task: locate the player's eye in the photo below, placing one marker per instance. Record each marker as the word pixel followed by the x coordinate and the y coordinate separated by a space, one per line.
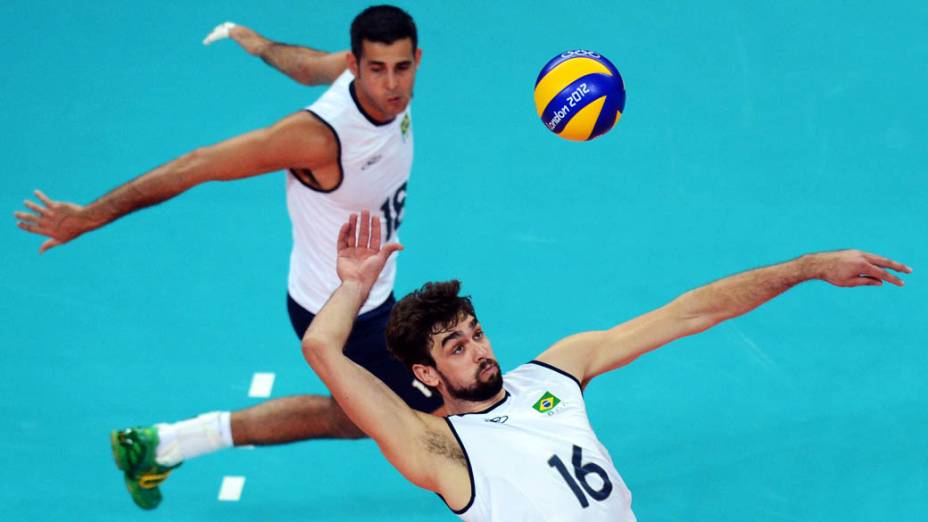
pixel 478 335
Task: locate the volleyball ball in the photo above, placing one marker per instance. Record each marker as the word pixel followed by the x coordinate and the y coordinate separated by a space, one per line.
pixel 579 95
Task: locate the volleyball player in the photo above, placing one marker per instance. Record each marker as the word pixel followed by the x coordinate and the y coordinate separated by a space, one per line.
pixel 352 148
pixel 519 446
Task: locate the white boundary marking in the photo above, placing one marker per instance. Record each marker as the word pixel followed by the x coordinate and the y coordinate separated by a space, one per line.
pixel 261 385
pixel 231 489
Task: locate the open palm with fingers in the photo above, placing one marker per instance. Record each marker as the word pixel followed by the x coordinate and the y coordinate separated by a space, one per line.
pixel 59 220
pixel 360 256
pixel 856 268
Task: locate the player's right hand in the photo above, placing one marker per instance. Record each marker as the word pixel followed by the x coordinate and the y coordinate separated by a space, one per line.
pixel 360 255
pixel 60 221
pixel 220 32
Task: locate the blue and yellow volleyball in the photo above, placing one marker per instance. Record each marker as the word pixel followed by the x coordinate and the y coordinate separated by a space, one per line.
pixel 579 95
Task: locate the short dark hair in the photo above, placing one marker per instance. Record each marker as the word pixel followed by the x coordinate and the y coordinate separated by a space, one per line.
pixel 434 308
pixel 383 24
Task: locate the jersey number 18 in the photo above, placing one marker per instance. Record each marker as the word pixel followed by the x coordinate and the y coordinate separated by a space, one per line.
pixel 393 211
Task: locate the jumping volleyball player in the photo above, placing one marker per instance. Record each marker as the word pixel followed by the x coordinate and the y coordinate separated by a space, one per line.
pixel 352 148
pixel 519 446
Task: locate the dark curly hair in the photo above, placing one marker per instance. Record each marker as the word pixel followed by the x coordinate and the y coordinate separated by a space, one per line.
pixel 382 24
pixel 433 308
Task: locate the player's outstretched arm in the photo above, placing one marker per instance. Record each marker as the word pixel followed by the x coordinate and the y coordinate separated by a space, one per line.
pixel 419 445
pixel 589 354
pixel 302 64
pixel 298 141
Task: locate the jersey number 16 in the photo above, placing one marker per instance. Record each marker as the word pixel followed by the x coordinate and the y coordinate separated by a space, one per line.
pixel 581 472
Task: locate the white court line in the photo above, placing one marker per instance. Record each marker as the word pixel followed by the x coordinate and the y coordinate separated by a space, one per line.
pixel 231 489
pixel 261 385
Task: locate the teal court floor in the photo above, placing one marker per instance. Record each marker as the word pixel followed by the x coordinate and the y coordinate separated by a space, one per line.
pixel 753 132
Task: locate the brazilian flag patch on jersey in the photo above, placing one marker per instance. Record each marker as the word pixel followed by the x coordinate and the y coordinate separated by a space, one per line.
pixel 404 126
pixel 546 403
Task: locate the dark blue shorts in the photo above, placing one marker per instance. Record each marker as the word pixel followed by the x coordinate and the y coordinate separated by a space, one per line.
pixel 367 346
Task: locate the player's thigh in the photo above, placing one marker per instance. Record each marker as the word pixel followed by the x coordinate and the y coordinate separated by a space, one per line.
pixel 299 317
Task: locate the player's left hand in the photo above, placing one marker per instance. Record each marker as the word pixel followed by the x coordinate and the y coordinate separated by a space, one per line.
pixel 360 256
pixel 855 268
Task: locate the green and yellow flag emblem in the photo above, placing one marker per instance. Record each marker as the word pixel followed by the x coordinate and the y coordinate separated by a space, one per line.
pixel 546 403
pixel 404 126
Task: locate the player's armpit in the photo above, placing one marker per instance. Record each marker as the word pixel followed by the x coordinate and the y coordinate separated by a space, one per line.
pixel 446 463
pixel 418 445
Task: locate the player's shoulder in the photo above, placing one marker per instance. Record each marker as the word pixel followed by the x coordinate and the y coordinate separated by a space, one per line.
pixel 302 139
pixel 336 96
pixel 305 125
pixel 537 369
pixel 344 78
pixel 331 67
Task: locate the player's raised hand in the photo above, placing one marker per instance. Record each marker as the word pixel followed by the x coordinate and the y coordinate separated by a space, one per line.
pixel 251 41
pixel 220 32
pixel 855 268
pixel 360 255
pixel 59 220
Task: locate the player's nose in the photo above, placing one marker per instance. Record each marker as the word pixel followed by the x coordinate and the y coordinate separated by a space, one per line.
pixel 391 80
pixel 481 352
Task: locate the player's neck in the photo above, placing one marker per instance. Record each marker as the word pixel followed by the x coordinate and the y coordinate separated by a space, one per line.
pixel 367 106
pixel 458 407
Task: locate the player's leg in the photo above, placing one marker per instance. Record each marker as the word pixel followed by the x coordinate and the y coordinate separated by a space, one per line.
pixel 148 454
pixel 291 419
pixel 296 418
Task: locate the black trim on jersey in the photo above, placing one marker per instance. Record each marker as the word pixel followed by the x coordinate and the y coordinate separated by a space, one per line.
pixel 309 173
pixel 488 410
pixel 470 473
pixel 354 96
pixel 560 371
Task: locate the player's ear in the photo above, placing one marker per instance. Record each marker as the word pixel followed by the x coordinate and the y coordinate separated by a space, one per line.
pixel 352 63
pixel 418 56
pixel 427 374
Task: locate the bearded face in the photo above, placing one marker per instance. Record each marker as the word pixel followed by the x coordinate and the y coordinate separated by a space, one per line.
pixel 487 382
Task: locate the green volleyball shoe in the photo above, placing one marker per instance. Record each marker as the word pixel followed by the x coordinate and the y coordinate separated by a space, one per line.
pixel 134 453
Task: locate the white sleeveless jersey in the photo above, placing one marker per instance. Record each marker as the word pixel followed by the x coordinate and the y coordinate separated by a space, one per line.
pixel 375 161
pixel 534 457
